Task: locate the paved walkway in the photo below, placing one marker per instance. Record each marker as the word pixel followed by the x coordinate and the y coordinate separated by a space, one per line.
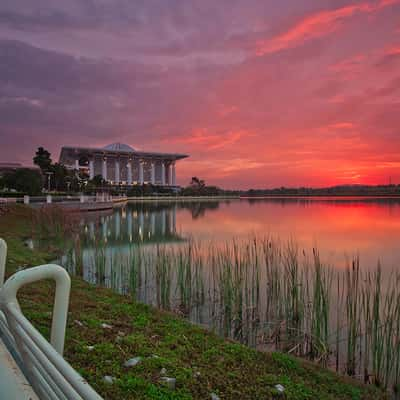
pixel 13 383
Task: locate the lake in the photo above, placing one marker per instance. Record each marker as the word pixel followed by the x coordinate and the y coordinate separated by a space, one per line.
pixel 314 276
pixel 339 228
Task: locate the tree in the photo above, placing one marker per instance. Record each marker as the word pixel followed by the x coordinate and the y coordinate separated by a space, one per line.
pixel 95 183
pixel 58 178
pixel 98 181
pixel 42 159
pixel 197 183
pixel 24 180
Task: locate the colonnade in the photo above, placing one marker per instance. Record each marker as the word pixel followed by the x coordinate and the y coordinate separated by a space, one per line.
pixel 168 173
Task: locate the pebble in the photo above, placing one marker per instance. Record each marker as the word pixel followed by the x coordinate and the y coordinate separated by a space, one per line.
pixel 132 362
pixel 171 382
pixel 197 374
pixel 214 396
pixel 106 326
pixel 108 379
pixel 279 388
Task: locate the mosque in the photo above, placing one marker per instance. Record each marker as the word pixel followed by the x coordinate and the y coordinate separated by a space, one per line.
pixel 120 164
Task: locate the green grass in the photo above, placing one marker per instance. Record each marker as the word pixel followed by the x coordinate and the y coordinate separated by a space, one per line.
pixel 200 361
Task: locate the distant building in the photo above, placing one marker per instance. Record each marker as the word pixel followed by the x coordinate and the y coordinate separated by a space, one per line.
pixel 12 167
pixel 120 164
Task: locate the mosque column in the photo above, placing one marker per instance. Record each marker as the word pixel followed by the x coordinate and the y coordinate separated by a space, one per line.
pixel 170 175
pixel 141 180
pixel 129 166
pixel 91 168
pixel 173 174
pixel 163 173
pixel 104 169
pixel 153 173
pixel 117 174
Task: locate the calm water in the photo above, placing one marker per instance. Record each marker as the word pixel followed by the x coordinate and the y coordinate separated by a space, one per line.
pixel 200 259
pixel 339 228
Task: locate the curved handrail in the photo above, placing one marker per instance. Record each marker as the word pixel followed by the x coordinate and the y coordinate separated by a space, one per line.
pixel 8 295
pixel 42 363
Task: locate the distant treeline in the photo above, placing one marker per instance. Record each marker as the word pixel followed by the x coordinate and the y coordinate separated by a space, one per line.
pixel 198 187
pixel 346 190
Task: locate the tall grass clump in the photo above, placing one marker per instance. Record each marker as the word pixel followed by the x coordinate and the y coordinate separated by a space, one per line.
pixel 320 310
pixel 352 281
pixel 163 279
pixel 53 223
pixel 266 294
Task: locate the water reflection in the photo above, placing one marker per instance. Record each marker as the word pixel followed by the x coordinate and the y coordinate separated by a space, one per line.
pixel 339 227
pixel 235 285
pixel 133 225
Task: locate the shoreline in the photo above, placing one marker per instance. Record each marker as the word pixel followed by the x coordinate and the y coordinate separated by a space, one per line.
pixel 267 197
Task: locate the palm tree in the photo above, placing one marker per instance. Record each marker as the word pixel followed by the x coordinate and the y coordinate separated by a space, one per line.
pixel 197 183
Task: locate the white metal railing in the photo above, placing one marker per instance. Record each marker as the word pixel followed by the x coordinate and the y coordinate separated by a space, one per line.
pixel 50 199
pixel 41 362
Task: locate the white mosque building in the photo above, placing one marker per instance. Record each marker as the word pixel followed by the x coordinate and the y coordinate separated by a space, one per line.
pixel 120 164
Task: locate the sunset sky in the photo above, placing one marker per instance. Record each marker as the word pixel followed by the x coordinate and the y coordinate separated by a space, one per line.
pixel 258 93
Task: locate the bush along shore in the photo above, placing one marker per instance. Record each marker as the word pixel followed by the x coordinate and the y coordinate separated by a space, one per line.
pixel 129 350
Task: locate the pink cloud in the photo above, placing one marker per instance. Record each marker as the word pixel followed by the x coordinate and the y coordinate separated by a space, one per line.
pixel 341 125
pixel 393 51
pixel 211 141
pixel 350 67
pixel 317 25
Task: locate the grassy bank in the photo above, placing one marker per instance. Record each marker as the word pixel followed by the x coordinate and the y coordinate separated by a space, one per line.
pixel 201 362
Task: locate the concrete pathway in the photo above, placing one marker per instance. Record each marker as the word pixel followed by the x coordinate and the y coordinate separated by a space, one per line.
pixel 13 383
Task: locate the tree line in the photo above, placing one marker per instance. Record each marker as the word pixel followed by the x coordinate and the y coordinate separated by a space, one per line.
pixel 56 177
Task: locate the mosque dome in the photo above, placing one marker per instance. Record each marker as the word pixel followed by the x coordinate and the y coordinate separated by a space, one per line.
pixel 119 147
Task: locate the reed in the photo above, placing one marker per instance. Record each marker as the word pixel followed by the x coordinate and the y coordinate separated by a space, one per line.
pixel 52 223
pixel 320 316
pixel 163 279
pixel 269 295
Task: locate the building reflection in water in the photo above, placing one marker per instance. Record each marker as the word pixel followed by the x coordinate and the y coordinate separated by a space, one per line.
pixel 104 250
pixel 133 225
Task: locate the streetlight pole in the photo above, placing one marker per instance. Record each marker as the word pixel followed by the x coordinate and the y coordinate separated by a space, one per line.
pixel 48 173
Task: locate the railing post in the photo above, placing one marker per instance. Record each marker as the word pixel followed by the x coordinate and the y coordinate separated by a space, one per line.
pixel 48 199
pixel 26 199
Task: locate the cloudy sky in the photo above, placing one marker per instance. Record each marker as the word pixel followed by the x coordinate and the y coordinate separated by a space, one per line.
pixel 259 93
